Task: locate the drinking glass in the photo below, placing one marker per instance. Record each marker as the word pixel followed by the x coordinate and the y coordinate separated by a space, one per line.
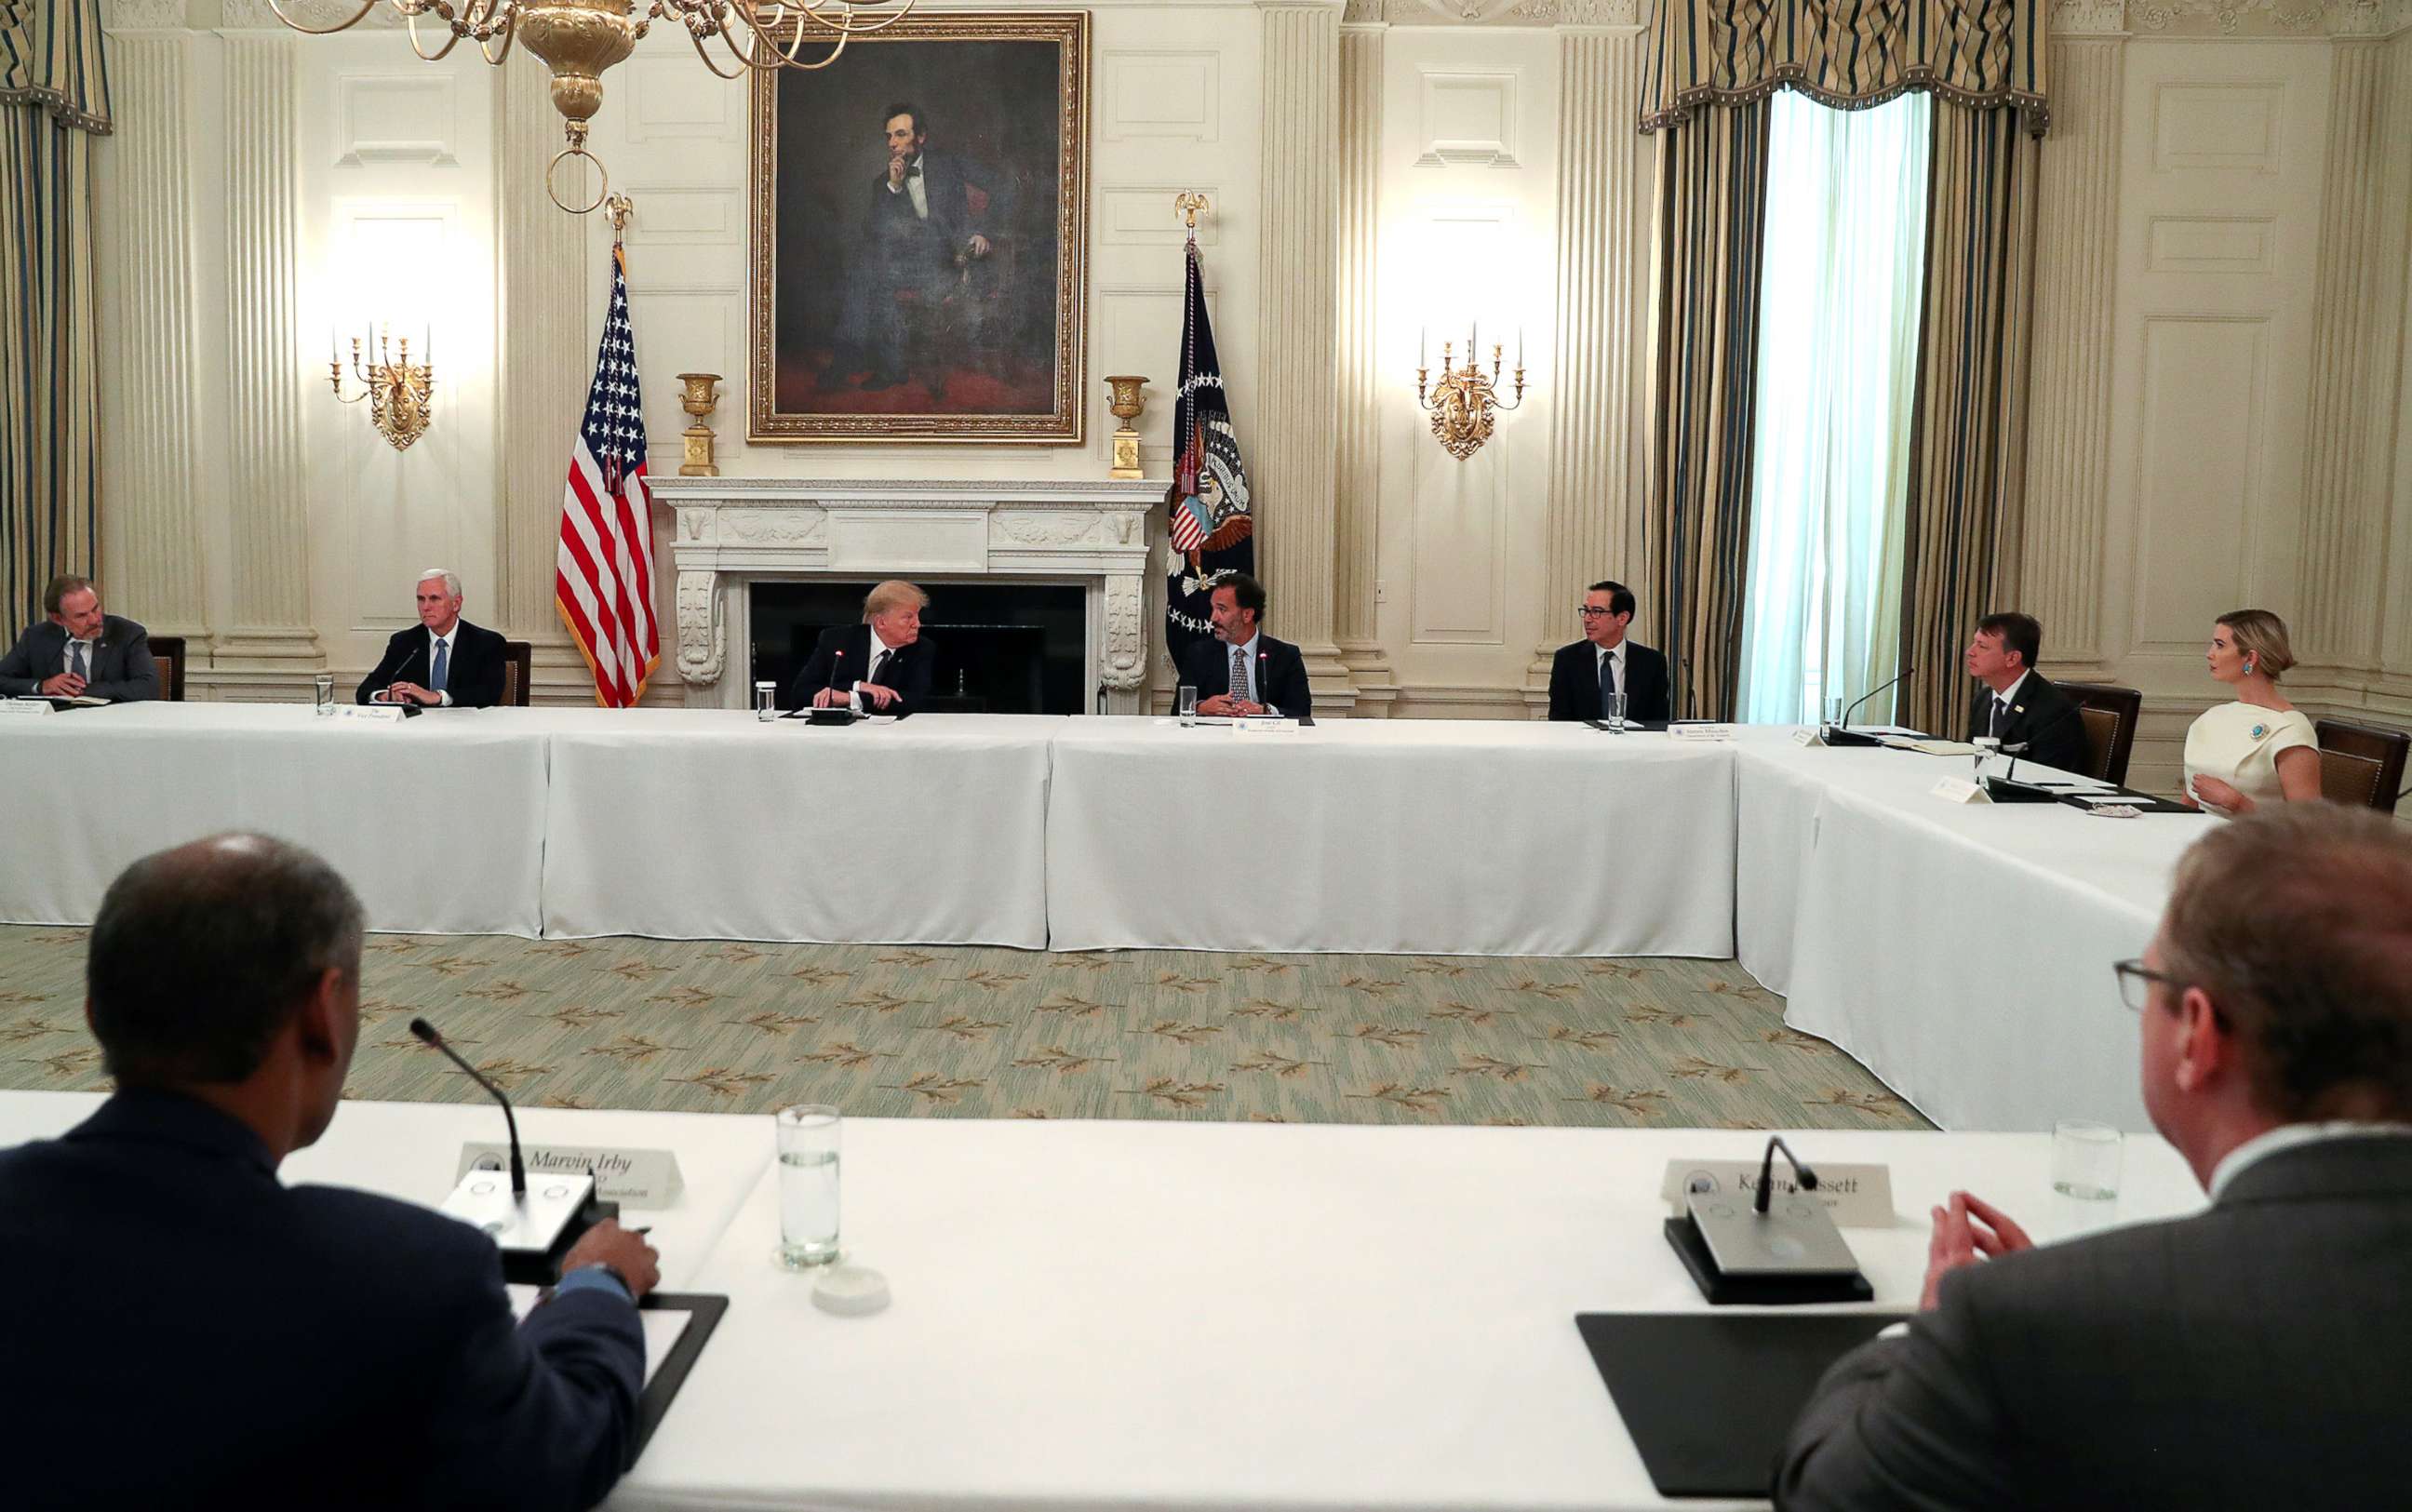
pixel 2086 1160
pixel 1612 712
pixel 324 686
pixel 1188 705
pixel 1986 745
pixel 808 1147
pixel 766 701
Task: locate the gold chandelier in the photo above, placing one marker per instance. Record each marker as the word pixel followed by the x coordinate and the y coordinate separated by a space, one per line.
pixel 578 39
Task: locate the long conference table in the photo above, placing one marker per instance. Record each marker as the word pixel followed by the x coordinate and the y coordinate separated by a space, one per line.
pixel 1094 1314
pixel 1962 953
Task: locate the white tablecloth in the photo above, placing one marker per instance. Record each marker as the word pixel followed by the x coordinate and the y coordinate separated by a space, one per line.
pixel 1417 836
pixel 1123 1316
pixel 709 825
pixel 1962 953
pixel 437 822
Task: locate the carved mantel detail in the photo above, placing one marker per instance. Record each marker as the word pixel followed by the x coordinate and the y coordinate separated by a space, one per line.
pixel 734 532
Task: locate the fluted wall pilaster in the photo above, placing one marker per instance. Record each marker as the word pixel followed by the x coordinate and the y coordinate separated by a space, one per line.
pixel 1588 514
pixel 1296 472
pixel 1357 557
pixel 149 425
pixel 268 552
pixel 542 360
pixel 2070 400
pixel 2395 632
pixel 2357 307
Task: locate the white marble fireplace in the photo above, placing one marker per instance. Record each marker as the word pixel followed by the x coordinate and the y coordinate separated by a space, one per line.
pixel 735 532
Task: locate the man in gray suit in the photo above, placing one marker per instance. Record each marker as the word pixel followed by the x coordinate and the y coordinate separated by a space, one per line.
pixel 80 652
pixel 2252 1355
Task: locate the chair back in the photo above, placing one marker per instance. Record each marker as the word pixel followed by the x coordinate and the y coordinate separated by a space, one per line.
pixel 169 653
pixel 518 660
pixel 2361 764
pixel 2110 714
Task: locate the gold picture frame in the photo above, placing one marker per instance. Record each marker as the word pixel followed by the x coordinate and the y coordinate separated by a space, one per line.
pixel 937 291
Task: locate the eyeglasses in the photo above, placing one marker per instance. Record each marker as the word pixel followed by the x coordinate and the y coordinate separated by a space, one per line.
pixel 2136 981
pixel 1592 611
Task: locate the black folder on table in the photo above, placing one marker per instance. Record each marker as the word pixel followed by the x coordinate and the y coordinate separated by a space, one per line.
pixel 1709 1397
pixel 705 1310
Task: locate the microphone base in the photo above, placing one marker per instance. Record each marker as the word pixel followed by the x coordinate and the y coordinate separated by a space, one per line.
pixel 2011 790
pixel 532 1231
pixel 1837 735
pixel 1759 1289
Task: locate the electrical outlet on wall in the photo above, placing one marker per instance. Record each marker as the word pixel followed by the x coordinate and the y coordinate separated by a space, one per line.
pixel 1381 592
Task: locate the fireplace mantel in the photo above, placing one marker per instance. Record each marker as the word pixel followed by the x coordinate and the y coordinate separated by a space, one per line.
pixel 734 532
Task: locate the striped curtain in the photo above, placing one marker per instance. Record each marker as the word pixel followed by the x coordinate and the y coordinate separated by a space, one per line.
pixel 1704 344
pixel 1968 436
pixel 53 100
pixel 1845 54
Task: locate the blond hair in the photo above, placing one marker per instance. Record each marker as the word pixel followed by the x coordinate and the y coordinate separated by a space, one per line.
pixel 892 595
pixel 2262 636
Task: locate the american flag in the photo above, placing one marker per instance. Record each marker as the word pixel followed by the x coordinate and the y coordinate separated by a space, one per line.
pixel 603 576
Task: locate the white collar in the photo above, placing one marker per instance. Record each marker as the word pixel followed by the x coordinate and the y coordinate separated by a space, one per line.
pixel 434 635
pixel 2289 1136
pixel 2009 695
pixel 1248 647
pixel 1616 650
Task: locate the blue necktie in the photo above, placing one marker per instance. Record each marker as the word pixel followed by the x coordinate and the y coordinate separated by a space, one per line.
pixel 77 666
pixel 443 665
pixel 1607 681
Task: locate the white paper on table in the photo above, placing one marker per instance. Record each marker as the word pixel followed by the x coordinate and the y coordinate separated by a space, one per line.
pixel 664 1326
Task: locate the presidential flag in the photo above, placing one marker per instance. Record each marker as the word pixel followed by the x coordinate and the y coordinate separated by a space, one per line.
pixel 1210 526
pixel 603 576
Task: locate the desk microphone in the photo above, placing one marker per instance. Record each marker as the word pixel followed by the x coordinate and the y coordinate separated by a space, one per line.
pixel 426 1032
pixel 1767 1171
pixel 1869 694
pixel 1261 682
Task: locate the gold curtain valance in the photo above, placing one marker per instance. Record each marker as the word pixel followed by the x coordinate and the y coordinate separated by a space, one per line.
pixel 1847 53
pixel 50 57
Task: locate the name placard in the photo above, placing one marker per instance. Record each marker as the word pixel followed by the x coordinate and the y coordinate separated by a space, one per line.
pixel 1957 790
pixel 1700 729
pixel 24 706
pixel 376 713
pixel 632 1177
pixel 1856 1196
pixel 1264 726
pixel 1805 736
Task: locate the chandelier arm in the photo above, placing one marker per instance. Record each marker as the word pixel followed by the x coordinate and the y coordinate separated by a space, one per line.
pixel 852 26
pixel 510 35
pixel 760 53
pixel 705 57
pixel 451 41
pixel 359 16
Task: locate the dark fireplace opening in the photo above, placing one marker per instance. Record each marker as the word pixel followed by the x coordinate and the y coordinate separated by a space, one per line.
pixel 1003 648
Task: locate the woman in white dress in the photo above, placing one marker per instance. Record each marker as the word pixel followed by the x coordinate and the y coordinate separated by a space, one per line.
pixel 2259 749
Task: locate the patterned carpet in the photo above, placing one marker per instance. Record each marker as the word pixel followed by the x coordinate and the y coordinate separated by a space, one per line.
pixel 969 1033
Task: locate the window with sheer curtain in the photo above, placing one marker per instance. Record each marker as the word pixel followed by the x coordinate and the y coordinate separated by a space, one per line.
pixel 1838 331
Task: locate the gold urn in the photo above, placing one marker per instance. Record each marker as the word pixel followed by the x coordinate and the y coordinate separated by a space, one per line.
pixel 1126 403
pixel 701 399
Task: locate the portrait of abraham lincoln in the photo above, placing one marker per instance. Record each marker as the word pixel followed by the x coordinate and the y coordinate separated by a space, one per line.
pixel 918 220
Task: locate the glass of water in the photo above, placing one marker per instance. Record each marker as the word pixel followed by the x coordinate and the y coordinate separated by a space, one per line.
pixel 2086 1160
pixel 808 1145
pixel 323 685
pixel 1188 704
pixel 766 701
pixel 1612 713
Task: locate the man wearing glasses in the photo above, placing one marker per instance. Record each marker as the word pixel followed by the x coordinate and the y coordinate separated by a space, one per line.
pixel 2252 1355
pixel 1606 662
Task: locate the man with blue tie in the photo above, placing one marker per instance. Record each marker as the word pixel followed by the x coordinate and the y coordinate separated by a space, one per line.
pixel 1607 661
pixel 444 662
pixel 79 652
pixel 1243 670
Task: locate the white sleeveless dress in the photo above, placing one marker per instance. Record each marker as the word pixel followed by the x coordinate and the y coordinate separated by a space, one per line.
pixel 2239 744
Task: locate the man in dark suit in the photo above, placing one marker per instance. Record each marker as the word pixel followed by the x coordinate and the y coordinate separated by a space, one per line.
pixel 1243 670
pixel 445 661
pixel 79 652
pixel 928 222
pixel 2016 703
pixel 879 666
pixel 1605 661
pixel 186 1330
pixel 2250 1357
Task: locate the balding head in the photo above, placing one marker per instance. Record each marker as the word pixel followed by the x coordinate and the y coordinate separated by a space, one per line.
pixel 2296 924
pixel 202 955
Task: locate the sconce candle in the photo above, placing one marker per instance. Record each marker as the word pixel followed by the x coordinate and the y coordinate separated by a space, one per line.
pixel 1464 400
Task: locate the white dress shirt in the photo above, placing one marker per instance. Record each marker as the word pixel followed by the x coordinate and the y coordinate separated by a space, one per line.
pixel 2005 701
pixel 1245 688
pixel 91 655
pixel 912 185
pixel 2292 1136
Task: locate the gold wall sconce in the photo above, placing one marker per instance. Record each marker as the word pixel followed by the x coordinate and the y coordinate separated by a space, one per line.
pixel 1463 403
pixel 401 393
